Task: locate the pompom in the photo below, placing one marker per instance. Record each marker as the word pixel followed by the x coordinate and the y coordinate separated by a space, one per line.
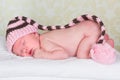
pixel 103 53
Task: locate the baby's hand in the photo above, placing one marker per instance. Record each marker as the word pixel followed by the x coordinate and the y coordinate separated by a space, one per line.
pixel 38 53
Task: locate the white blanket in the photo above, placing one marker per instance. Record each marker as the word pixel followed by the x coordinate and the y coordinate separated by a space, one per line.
pixel 26 68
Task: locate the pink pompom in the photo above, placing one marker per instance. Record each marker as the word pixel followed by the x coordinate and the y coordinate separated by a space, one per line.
pixel 103 53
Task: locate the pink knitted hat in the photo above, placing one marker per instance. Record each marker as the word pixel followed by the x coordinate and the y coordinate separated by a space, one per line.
pixel 17 28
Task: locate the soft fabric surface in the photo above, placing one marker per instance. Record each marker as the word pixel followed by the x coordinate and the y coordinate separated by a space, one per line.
pixel 20 68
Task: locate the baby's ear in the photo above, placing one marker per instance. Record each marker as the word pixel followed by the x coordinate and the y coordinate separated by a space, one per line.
pixel 36 34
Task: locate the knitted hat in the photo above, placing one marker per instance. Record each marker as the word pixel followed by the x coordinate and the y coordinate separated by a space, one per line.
pixel 17 28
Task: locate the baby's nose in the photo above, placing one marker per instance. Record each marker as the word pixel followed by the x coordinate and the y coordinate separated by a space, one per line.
pixel 25 50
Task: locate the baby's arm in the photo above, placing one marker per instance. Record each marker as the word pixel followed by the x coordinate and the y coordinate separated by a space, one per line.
pixel 56 54
pixel 52 51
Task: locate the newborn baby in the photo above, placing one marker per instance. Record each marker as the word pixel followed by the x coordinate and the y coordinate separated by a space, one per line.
pixel 57 44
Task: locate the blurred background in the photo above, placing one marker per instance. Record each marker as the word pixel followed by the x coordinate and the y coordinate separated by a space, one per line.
pixel 60 12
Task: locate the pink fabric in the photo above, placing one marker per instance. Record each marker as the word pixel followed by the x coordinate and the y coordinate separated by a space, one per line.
pixel 14 24
pixel 103 53
pixel 71 24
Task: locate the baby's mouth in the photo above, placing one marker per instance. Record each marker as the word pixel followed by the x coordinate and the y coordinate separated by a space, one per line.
pixel 31 52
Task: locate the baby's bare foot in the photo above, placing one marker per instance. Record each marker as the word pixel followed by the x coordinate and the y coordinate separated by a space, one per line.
pixel 109 40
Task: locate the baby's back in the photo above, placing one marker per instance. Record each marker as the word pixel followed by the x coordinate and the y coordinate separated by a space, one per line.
pixel 70 38
pixel 67 38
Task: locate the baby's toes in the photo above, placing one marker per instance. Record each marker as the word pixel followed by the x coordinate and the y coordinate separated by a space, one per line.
pixel 111 42
pixel 106 37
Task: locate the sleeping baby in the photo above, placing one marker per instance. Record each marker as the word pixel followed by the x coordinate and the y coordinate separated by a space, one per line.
pixel 83 38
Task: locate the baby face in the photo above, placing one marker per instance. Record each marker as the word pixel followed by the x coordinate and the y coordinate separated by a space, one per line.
pixel 26 45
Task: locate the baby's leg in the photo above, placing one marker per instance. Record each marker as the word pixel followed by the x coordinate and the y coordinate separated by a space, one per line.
pixel 91 35
pixel 85 46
